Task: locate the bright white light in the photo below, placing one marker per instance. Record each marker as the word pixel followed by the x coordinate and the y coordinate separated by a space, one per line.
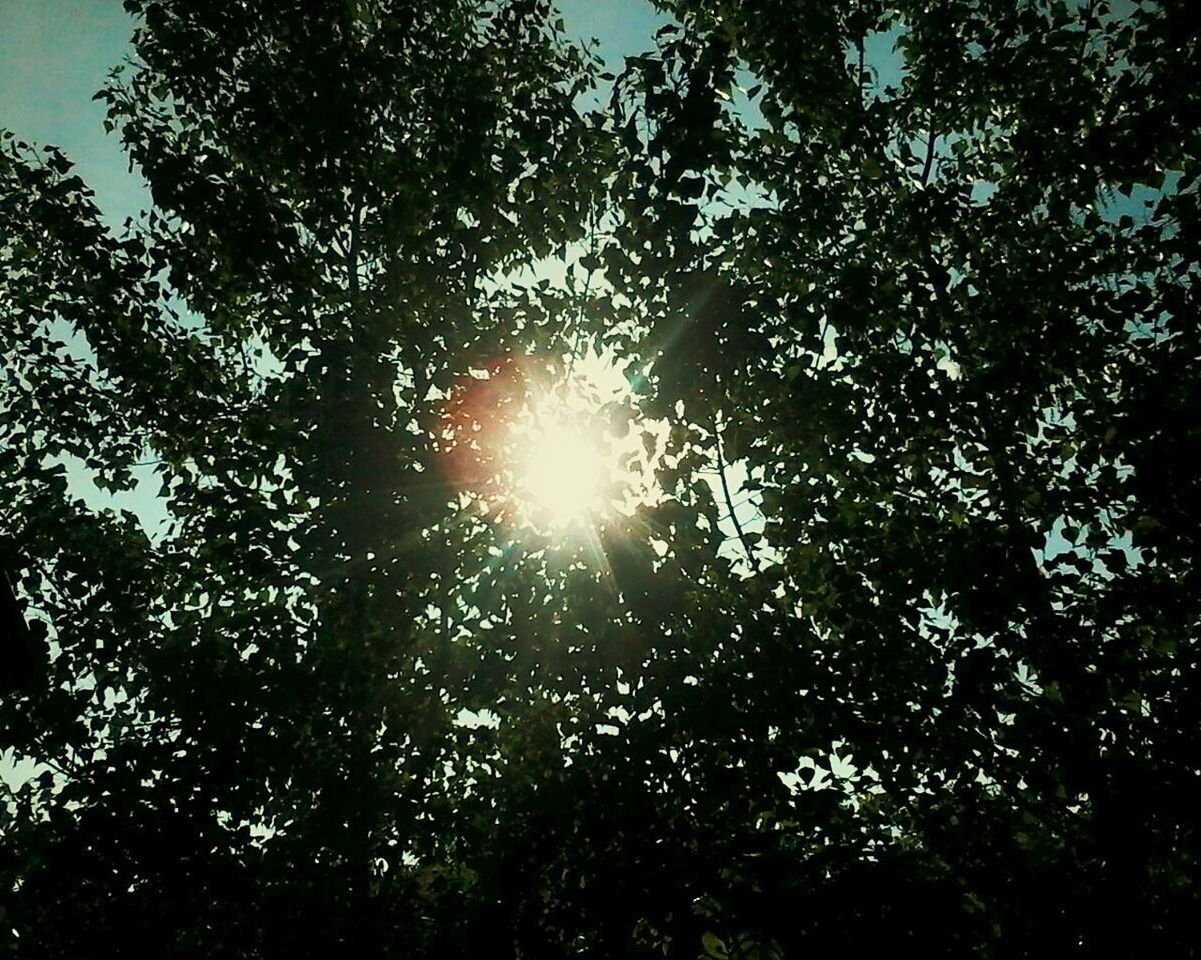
pixel 561 453
pixel 562 470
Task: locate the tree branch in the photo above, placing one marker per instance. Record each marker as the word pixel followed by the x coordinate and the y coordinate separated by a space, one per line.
pixel 929 158
pixel 725 489
pixel 352 255
pixel 859 76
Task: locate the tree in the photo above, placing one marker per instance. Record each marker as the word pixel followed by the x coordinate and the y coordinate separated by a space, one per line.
pixel 346 706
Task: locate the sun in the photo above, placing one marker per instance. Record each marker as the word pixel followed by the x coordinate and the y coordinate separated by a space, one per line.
pixel 563 466
pixel 555 449
pixel 551 448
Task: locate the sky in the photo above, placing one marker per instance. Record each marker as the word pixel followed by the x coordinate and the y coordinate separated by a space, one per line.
pixel 55 54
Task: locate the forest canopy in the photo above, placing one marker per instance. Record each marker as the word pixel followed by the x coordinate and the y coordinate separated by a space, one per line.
pixel 731 502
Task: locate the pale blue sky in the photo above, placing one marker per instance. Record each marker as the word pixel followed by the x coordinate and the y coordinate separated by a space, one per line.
pixel 54 55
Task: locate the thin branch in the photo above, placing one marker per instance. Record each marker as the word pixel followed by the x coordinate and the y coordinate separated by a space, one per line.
pixel 821 339
pixel 929 158
pixel 859 77
pixel 725 489
pixel 352 255
pixel 575 340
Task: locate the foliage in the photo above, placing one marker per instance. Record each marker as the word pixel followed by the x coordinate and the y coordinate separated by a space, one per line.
pixel 947 698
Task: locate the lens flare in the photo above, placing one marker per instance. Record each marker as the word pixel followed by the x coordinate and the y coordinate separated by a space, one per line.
pixel 562 468
pixel 561 454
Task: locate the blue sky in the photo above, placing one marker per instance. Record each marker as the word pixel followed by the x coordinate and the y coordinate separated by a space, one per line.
pixel 54 55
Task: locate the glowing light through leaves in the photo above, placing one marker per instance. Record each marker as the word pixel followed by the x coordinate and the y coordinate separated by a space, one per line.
pixel 536 446
pixel 562 468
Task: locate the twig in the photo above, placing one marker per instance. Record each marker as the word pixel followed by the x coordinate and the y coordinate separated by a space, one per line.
pixel 575 341
pixel 352 255
pixel 859 77
pixel 725 489
pixel 929 158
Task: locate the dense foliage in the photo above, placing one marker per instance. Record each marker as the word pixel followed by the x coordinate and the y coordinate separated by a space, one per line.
pixel 925 274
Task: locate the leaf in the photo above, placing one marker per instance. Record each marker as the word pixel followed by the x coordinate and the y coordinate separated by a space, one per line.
pixel 714 947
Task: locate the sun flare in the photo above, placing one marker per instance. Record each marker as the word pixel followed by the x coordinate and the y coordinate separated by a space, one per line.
pixel 560 453
pixel 562 468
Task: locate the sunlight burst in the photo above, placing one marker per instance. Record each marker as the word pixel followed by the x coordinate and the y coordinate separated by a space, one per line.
pixel 559 452
pixel 562 470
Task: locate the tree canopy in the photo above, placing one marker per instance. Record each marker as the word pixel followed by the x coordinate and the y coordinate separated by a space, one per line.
pixel 915 285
